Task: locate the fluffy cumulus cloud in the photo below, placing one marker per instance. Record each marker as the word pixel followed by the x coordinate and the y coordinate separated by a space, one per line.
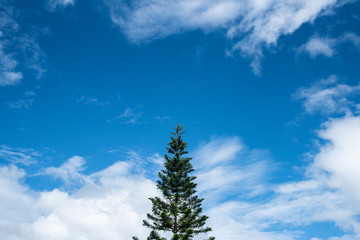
pixel 111 203
pixel 338 161
pixel 16 45
pixel 249 25
pixel 328 193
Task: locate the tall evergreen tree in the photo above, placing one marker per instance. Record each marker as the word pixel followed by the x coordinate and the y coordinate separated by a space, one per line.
pixel 179 211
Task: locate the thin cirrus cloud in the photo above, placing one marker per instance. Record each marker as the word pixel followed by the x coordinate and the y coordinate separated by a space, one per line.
pixel 249 25
pixel 53 4
pixel 130 116
pixel 18 155
pixel 327 96
pixel 9 76
pixel 319 46
pixel 327 46
pixel 15 46
pixel 91 101
pixel 21 103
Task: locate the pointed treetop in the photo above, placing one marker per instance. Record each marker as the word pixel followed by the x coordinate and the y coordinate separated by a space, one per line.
pixel 178 130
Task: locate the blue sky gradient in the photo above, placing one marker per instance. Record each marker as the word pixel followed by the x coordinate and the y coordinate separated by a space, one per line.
pixel 267 91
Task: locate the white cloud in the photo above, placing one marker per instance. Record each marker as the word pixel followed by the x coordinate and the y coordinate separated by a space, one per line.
pixel 21 103
pixel 9 78
pixel 157 159
pixel 53 4
pixel 162 118
pixel 8 74
pixel 327 96
pixel 91 101
pixel 338 161
pixel 69 171
pixel 327 46
pixel 18 155
pixel 16 45
pixel 249 24
pixel 353 38
pixel 16 200
pixel 217 151
pixel 30 93
pixel 110 206
pixel 226 168
pixel 320 46
pixel 128 117
pixel 328 193
pixel 112 202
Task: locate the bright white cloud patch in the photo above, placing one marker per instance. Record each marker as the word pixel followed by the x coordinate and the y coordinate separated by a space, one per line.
pixel 16 200
pixel 328 193
pixel 328 96
pixel 250 24
pixel 111 205
pixel 340 157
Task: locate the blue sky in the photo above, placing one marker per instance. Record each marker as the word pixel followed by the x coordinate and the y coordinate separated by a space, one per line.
pixel 267 91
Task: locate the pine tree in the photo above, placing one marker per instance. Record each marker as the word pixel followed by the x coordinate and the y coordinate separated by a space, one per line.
pixel 179 211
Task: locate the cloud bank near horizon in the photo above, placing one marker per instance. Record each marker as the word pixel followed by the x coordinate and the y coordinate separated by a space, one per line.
pixel 112 202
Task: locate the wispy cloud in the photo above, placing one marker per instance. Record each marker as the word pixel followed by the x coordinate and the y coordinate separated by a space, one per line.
pixel 128 117
pixel 250 25
pixel 21 103
pixel 16 45
pixel 91 101
pixel 8 74
pixel 18 155
pixel 156 159
pixel 69 171
pixel 224 164
pixel 162 118
pixel 328 96
pixel 327 46
pixel 319 46
pixel 30 93
pixel 53 4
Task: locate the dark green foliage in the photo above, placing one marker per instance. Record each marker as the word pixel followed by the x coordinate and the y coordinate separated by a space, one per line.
pixel 179 211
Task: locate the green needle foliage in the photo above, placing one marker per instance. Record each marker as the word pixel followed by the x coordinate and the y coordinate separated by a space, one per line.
pixel 179 211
